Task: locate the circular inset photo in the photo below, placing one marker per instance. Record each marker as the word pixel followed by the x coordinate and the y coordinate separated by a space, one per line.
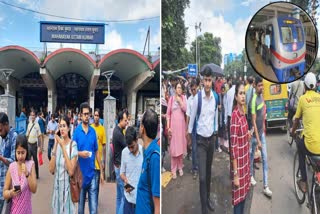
pixel 281 42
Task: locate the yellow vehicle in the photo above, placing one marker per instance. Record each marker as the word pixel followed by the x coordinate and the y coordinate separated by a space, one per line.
pixel 276 99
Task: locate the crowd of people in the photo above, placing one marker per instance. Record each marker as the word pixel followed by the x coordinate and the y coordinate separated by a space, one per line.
pixel 215 114
pixel 78 150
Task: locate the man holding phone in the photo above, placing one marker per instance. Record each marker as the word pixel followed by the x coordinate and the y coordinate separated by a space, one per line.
pixel 130 170
pixel 87 144
pixel 51 130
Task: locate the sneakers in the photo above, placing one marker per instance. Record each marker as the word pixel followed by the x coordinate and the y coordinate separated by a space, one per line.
pixel 195 175
pixel 174 175
pixel 267 192
pixel 253 181
pixel 163 170
pixel 180 172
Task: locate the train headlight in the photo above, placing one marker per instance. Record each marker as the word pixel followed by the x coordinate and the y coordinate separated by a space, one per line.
pixel 294 46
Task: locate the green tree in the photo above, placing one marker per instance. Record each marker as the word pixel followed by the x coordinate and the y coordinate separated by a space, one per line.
pixel 304 4
pixel 209 49
pixel 173 33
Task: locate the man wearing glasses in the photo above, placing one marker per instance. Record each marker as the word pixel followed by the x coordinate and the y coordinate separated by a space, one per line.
pixel 86 139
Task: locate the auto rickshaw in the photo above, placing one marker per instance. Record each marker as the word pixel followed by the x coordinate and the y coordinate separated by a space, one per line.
pixel 276 100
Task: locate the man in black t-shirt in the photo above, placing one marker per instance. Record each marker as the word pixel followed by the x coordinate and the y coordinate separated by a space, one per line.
pixel 119 144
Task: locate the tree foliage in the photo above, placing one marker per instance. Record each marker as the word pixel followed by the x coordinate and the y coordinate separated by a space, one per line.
pixel 209 49
pixel 173 33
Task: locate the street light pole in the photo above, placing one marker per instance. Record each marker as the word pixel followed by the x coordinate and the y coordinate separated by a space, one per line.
pixel 108 75
pixel 197 26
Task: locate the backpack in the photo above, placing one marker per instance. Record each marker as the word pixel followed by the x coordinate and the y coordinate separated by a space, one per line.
pixel 216 97
pixel 75 181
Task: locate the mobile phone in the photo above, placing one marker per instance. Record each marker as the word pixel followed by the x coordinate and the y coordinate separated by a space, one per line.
pixel 17 188
pixel 129 186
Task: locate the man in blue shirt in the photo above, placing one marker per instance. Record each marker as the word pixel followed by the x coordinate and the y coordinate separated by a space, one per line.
pixel 148 193
pixel 51 129
pixel 86 139
pixel 7 151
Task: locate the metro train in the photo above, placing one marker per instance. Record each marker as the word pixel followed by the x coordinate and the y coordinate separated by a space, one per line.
pixel 287 47
pixel 311 38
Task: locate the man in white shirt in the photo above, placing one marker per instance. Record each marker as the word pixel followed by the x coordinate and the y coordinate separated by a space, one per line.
pixel 193 87
pixel 228 108
pixel 204 116
pixel 131 165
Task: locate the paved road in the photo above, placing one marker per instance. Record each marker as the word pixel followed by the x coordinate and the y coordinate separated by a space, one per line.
pixel 41 200
pixel 182 195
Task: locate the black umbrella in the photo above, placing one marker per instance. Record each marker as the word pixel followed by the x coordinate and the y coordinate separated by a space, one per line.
pixel 215 69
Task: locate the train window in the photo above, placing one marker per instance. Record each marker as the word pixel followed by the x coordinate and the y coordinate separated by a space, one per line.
pixel 299 32
pixel 275 89
pixel 286 33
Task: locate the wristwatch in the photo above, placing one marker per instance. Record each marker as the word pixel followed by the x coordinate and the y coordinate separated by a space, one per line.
pixel 235 172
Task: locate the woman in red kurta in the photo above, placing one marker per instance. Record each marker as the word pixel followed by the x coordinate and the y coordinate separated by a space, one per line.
pixel 176 124
pixel 240 158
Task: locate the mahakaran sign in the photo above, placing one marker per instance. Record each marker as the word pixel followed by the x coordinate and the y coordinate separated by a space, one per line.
pixel 67 32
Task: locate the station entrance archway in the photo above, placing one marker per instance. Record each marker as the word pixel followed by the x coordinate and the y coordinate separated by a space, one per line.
pixel 72 90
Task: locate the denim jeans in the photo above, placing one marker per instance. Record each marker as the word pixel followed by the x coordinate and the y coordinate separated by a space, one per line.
pixel 194 152
pixel 1 205
pixel 97 177
pixel 120 192
pixel 129 208
pixel 92 190
pixel 50 147
pixel 239 208
pixel 263 155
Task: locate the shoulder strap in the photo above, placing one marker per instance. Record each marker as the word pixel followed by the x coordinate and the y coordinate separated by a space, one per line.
pixel 31 129
pixel 70 149
pixel 199 104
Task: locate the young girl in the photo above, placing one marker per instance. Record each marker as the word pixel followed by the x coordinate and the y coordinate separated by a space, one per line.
pixel 20 179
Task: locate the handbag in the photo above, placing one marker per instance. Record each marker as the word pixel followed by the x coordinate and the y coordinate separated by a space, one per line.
pixel 75 181
pixel 7 206
pixel 40 159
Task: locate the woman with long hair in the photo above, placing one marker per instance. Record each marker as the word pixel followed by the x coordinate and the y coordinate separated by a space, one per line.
pixel 176 124
pixel 20 180
pixel 239 154
pixel 62 165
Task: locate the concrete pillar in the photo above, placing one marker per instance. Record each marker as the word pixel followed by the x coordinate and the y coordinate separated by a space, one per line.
pixel 8 105
pixel 92 86
pixel 132 105
pixel 51 86
pixel 140 103
pixel 132 87
pixel 109 112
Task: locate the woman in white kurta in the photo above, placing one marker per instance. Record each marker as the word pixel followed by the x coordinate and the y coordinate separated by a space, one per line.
pixel 62 165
